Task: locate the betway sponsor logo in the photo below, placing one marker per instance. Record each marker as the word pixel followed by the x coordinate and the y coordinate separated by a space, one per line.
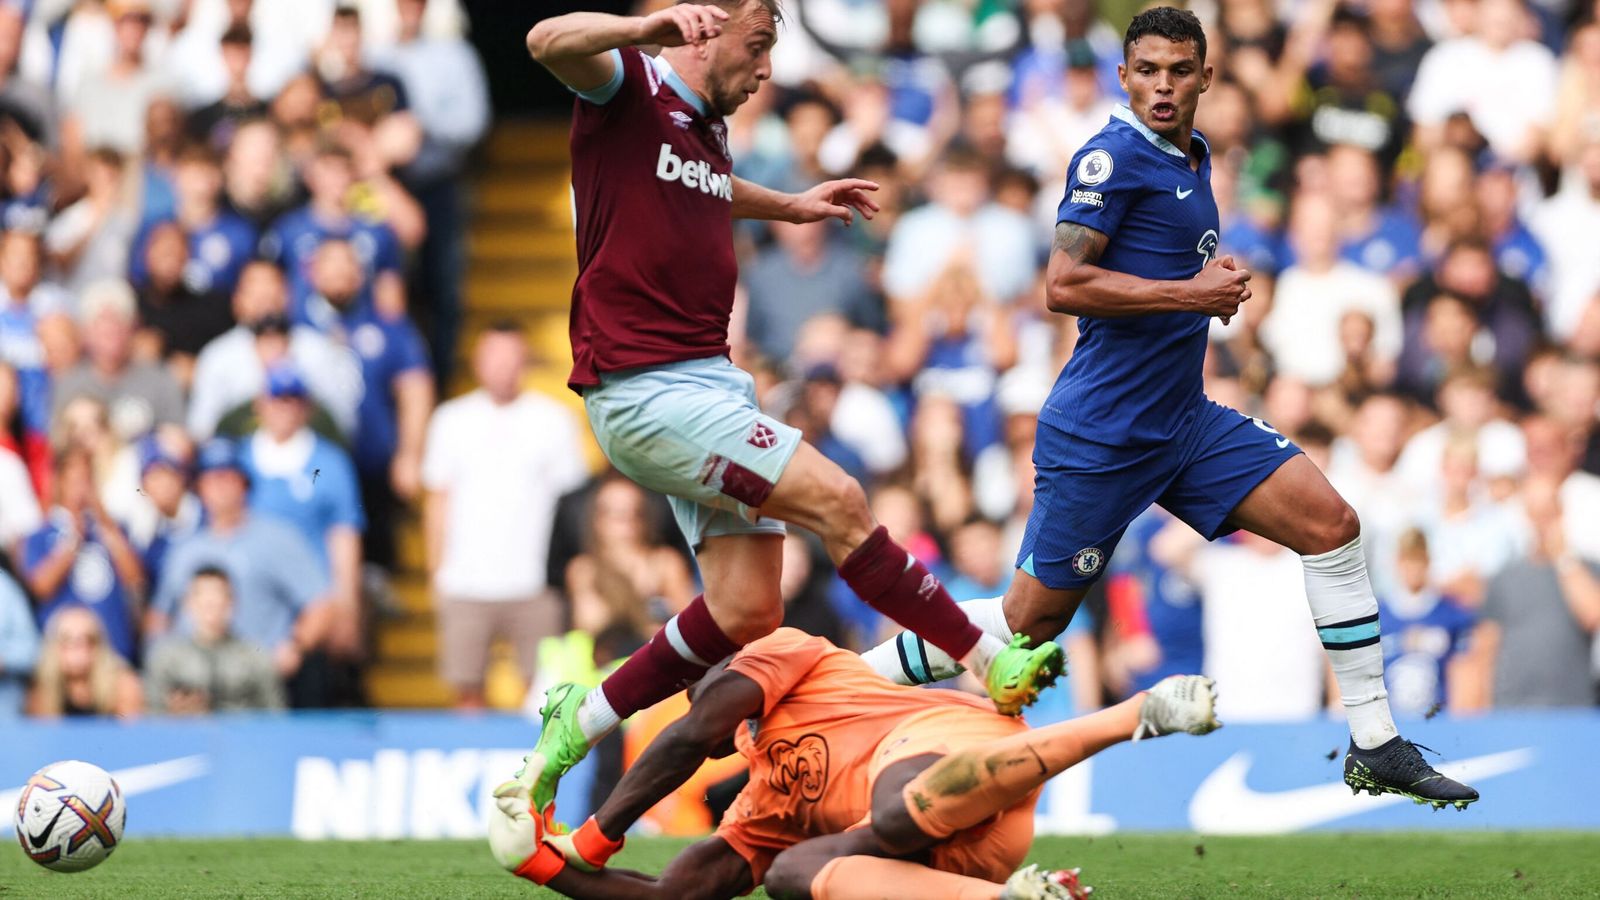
pixel 398 793
pixel 693 173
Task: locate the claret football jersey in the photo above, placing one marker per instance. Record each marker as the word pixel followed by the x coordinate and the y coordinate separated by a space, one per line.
pixel 652 181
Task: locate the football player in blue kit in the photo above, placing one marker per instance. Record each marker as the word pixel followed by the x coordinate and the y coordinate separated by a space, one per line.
pixel 1128 423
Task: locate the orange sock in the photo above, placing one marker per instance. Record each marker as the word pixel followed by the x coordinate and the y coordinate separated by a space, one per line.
pixel 872 878
pixel 965 788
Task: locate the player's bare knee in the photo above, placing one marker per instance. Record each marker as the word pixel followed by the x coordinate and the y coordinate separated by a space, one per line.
pixel 1335 530
pixel 758 614
pixel 846 516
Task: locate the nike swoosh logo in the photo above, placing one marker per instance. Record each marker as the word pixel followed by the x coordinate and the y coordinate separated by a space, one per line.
pixel 37 840
pixel 132 780
pixel 1282 443
pixel 1183 194
pixel 1225 804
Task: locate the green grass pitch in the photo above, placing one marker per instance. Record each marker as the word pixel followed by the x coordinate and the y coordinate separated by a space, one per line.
pixel 1417 864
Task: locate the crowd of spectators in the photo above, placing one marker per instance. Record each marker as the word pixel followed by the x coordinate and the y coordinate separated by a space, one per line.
pixel 1416 187
pixel 230 267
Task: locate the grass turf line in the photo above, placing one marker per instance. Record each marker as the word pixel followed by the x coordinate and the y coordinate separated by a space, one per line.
pixel 1414 864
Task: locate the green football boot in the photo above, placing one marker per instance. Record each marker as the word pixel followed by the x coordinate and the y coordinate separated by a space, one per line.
pixel 561 746
pixel 1020 672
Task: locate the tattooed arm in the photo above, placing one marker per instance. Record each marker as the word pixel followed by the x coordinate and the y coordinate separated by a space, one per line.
pixel 1076 284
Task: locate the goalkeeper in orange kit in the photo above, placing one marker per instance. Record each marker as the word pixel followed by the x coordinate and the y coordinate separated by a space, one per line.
pixel 859 788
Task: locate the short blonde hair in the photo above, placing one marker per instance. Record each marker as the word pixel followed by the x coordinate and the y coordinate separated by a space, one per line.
pixel 108 295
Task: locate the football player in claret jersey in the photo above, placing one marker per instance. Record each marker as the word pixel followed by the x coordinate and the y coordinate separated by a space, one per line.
pixel 1128 423
pixel 656 198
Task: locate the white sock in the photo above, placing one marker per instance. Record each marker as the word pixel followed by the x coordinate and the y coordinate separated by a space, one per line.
pixel 908 659
pixel 596 718
pixel 1346 615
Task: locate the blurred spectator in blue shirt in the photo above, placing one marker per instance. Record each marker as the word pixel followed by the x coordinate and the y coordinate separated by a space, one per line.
pixel 293 239
pixel 961 226
pixel 1425 634
pixel 23 301
pixel 1517 252
pixel 805 274
pixel 19 647
pixel 162 512
pixel 81 557
pixel 307 481
pixel 397 396
pixel 1387 240
pixel 220 242
pixel 953 342
pixel 280 586
pixel 1143 587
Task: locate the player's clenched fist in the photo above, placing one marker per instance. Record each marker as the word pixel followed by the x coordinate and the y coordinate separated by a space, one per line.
pixel 682 23
pixel 1219 288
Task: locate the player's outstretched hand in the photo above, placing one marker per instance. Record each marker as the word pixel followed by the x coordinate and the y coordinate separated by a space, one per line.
pixel 682 23
pixel 840 200
pixel 1220 287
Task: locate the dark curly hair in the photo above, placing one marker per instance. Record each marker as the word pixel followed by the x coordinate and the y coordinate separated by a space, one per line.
pixel 1176 25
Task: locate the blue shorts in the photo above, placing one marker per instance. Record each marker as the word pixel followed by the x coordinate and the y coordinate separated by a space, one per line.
pixel 1086 493
pixel 692 430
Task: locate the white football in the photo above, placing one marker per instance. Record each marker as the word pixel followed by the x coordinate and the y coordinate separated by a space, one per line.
pixel 70 816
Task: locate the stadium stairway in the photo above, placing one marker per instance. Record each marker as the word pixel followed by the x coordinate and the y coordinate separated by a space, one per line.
pixel 521 265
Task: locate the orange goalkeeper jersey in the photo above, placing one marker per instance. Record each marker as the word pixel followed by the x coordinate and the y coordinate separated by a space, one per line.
pixel 825 734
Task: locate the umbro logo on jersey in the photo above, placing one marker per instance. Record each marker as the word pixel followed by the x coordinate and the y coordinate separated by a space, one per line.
pixel 681 118
pixel 1183 194
pixel 693 173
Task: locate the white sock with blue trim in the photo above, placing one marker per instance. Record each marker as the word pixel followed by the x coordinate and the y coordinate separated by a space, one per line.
pixel 908 659
pixel 1346 615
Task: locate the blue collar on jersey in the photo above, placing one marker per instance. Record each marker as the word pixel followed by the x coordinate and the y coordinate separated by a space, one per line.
pixel 680 87
pixel 1123 114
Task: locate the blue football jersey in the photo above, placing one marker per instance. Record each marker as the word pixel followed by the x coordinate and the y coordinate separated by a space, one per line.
pixel 1132 380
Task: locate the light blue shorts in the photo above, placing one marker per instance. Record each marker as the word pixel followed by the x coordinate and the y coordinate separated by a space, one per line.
pixel 692 430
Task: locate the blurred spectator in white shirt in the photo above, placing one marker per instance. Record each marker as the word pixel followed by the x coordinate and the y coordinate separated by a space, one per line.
pixel 1467 401
pixel 1047 128
pixel 196 58
pixel 1473 537
pixel 19 507
pixel 106 95
pixel 89 240
pixel 1260 643
pixel 1553 453
pixel 496 462
pixel 231 370
pixel 1313 295
pixel 1566 225
pixel 1497 74
pixel 1364 471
